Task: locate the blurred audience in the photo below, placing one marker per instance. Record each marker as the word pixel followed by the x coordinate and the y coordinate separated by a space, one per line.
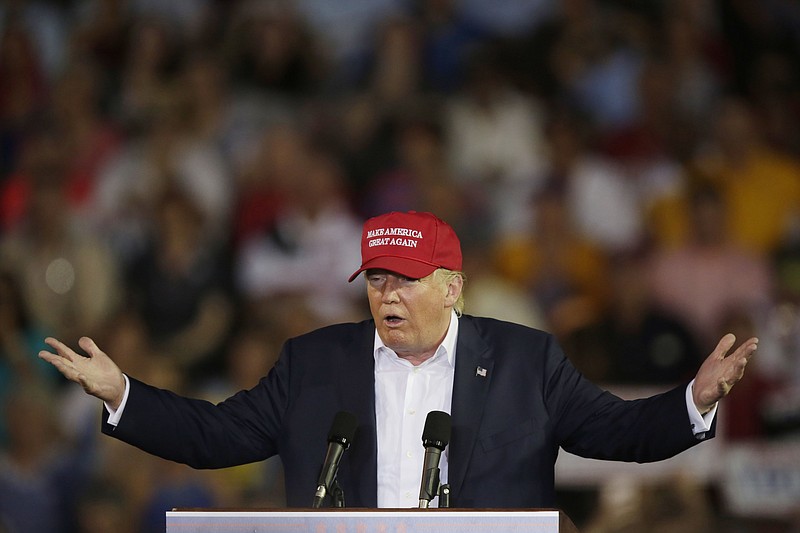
pixel 271 49
pixel 448 39
pixel 394 70
pixel 175 486
pixel 637 341
pixel 180 286
pixel 190 179
pixel 69 279
pixel 312 247
pixel 492 294
pixel 165 154
pixel 494 137
pixel 670 505
pixel 601 55
pixel 23 90
pixel 759 183
pixel 565 274
pixel 593 186
pixel 91 138
pixel 151 58
pixel 47 27
pixel 20 340
pixel 41 475
pixel 712 274
pixel 420 179
pixel 103 507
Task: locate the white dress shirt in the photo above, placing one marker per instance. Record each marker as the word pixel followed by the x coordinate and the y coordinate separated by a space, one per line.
pixel 404 395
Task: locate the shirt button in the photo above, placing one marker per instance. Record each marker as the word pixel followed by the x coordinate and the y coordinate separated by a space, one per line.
pixel 409 454
pixel 407 494
pixel 412 411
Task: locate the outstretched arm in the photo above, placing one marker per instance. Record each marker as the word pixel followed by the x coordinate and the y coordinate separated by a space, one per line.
pixel 97 373
pixel 720 371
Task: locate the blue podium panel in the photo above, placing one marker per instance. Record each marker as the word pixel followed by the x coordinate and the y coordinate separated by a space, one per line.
pixel 362 521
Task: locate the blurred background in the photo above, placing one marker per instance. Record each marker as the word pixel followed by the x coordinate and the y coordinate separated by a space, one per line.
pixel 185 181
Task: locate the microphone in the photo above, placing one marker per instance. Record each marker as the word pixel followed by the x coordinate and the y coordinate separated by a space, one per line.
pixel 435 437
pixel 340 436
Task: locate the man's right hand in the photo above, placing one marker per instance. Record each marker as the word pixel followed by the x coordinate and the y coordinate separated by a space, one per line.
pixel 97 373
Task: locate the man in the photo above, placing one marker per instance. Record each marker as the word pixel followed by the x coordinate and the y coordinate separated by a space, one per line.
pixel 513 396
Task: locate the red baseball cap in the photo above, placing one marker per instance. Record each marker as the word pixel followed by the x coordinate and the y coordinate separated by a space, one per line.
pixel 411 244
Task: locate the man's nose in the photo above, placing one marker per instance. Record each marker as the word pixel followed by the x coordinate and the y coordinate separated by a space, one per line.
pixel 390 294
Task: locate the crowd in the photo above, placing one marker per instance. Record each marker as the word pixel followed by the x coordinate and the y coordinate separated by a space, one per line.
pixel 186 181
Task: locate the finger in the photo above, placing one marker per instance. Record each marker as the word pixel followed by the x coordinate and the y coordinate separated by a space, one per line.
pixel 89 346
pixel 746 350
pixel 752 346
pixel 62 349
pixel 724 345
pixel 62 364
pixel 740 358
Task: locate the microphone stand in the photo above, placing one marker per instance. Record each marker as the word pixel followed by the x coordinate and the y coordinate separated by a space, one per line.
pixel 337 495
pixel 444 496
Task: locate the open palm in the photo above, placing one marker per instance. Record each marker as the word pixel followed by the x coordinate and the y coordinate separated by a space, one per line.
pixel 720 371
pixel 97 373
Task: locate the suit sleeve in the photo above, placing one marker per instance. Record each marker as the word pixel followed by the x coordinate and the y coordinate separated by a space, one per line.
pixel 593 423
pixel 242 429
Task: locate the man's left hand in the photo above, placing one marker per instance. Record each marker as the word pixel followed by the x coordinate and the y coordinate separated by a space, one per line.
pixel 720 371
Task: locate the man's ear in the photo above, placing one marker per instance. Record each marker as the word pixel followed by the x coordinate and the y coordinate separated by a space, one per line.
pixel 454 288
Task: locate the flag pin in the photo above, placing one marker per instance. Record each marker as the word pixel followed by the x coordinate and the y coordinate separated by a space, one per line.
pixel 480 371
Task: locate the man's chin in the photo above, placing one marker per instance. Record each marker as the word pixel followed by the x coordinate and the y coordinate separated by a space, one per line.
pixel 393 339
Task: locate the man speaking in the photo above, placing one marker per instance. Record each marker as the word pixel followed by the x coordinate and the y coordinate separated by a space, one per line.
pixel 513 398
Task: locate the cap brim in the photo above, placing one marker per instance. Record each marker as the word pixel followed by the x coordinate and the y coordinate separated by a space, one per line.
pixel 409 268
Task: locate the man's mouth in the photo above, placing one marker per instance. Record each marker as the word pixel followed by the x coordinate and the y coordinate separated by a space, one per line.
pixel 392 320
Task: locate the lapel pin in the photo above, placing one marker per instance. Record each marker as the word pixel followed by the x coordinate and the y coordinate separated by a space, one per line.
pixel 480 371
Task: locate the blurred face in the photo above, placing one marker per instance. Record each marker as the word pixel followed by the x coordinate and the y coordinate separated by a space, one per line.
pixel 411 315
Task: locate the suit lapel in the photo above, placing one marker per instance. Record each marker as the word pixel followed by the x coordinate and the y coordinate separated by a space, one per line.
pixel 473 375
pixel 356 384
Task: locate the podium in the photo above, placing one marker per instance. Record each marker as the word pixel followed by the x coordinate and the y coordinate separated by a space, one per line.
pixel 369 521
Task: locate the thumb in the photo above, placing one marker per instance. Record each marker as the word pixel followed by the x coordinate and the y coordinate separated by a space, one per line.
pixel 89 346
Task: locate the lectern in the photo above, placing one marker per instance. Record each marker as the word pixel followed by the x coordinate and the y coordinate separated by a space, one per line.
pixel 369 521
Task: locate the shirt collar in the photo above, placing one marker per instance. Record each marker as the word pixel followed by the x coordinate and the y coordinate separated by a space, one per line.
pixel 447 347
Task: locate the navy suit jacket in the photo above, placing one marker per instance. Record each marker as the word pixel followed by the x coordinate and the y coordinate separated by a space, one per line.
pixel 507 425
